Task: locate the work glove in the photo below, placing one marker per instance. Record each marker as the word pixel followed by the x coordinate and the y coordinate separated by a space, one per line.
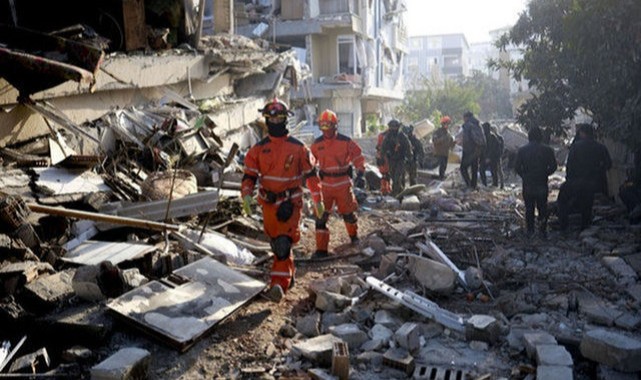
pixel 247 201
pixel 359 181
pixel 319 207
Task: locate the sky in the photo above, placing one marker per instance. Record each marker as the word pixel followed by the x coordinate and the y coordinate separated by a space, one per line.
pixel 474 18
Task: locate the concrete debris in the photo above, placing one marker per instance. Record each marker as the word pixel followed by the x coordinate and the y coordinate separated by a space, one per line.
pixel 613 349
pixel 127 363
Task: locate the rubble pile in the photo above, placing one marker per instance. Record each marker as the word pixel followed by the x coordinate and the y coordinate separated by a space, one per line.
pixel 147 233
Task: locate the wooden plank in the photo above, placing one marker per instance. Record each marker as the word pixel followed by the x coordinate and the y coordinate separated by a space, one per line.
pixel 133 16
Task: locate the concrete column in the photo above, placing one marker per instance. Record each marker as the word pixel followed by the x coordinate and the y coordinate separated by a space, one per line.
pixel 223 16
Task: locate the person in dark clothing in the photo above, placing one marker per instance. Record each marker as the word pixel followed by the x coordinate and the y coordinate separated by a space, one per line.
pixel 418 154
pixel 473 145
pixel 534 163
pixel 586 168
pixel 397 150
pixel 491 157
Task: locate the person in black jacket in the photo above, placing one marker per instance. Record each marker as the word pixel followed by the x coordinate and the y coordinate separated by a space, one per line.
pixel 491 157
pixel 397 150
pixel 586 168
pixel 473 146
pixel 418 154
pixel 534 163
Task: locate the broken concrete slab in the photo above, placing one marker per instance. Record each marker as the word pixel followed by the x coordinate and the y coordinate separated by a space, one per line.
pixel 554 372
pixel 533 339
pixel 597 310
pixel 57 181
pixel 612 349
pixel 349 333
pixel 408 336
pixel 484 328
pixel 204 292
pixel 309 324
pixel 127 364
pixel 330 301
pixel 48 291
pixel 624 273
pixel 387 319
pixel 431 274
pixel 86 324
pixel 15 275
pixel 553 355
pixel 380 332
pixel 319 349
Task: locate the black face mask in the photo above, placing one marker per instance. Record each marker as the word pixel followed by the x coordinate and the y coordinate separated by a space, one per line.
pixel 277 130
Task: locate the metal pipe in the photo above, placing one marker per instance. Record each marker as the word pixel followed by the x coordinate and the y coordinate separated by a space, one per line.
pixel 141 223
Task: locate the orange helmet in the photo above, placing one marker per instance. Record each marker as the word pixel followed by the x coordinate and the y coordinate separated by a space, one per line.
pixel 276 108
pixel 446 120
pixel 327 120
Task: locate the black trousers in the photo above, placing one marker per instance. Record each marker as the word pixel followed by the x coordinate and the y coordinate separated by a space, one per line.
pixel 536 197
pixel 576 196
pixel 470 161
pixel 442 165
pixel 496 170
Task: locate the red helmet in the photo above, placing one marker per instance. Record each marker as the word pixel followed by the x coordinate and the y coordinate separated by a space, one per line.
pixel 276 108
pixel 446 120
pixel 327 120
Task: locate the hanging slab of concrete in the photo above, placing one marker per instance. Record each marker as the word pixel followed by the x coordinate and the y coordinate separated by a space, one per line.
pixel 94 252
pixel 55 181
pixel 188 303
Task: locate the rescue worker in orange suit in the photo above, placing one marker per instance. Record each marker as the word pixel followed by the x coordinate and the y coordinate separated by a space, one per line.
pixel 336 154
pixel 280 164
pixel 383 167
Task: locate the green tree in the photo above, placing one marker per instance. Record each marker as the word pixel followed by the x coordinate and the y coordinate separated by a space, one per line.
pixel 494 100
pixel 431 101
pixel 580 54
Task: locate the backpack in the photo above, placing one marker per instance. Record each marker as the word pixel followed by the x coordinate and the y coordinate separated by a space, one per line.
pixel 478 137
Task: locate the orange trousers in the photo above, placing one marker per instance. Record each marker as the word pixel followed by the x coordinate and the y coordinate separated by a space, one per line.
pixel 283 269
pixel 345 201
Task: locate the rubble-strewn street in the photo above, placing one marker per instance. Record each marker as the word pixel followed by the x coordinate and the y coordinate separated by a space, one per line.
pixel 152 162
pixel 444 281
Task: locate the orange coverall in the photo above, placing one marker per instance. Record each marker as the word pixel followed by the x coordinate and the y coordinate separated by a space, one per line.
pixel 335 155
pixel 383 166
pixel 281 164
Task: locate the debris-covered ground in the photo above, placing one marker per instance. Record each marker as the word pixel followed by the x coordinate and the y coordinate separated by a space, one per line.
pixel 443 285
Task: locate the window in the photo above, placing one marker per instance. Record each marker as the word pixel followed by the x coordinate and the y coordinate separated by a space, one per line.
pixel 347 56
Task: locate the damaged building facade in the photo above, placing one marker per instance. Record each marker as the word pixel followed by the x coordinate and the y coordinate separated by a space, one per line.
pixel 354 49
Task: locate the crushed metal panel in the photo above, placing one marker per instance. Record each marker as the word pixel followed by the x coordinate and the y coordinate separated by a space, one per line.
pixel 62 181
pixel 191 204
pixel 419 304
pixel 179 314
pixel 92 252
